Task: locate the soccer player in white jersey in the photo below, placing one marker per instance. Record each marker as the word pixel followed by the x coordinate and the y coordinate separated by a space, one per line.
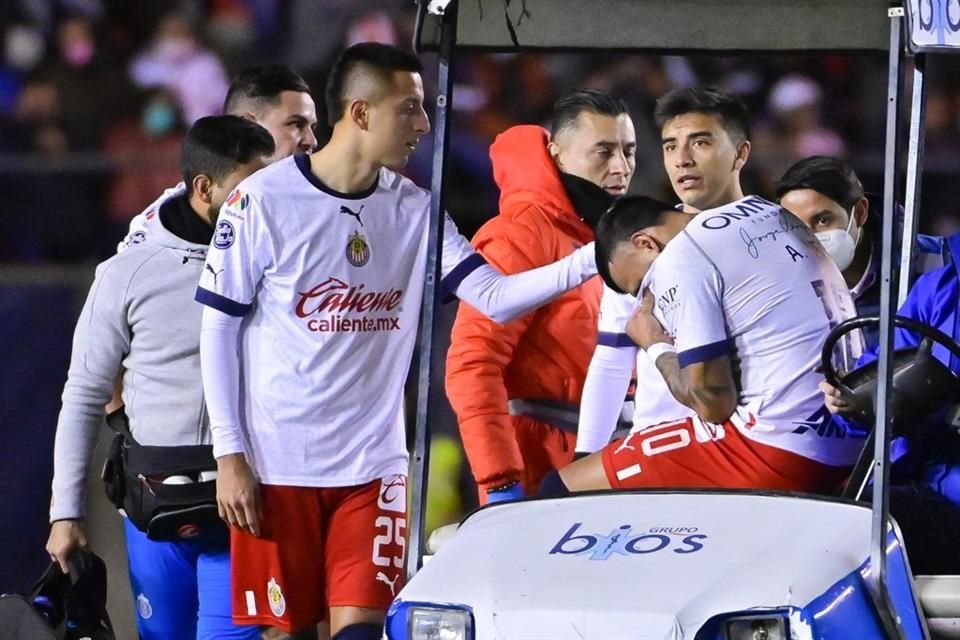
pixel 705 135
pixel 735 305
pixel 313 287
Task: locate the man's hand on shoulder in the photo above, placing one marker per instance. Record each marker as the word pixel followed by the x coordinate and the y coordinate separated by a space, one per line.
pixel 643 328
pixel 238 493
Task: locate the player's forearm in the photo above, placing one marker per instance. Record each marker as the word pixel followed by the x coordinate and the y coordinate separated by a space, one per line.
pixel 220 371
pixel 713 403
pixel 504 298
pixel 604 389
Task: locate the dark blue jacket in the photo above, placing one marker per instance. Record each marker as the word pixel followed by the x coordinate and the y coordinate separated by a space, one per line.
pixel 933 457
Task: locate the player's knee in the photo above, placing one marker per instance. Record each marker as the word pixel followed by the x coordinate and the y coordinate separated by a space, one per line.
pixel 553 486
pixel 360 631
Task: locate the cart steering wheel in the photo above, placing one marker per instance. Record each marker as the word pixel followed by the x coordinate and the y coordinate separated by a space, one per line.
pixel 921 383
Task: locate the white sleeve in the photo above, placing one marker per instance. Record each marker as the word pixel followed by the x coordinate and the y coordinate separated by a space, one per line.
pixel 137 232
pixel 604 390
pixel 238 253
pixel 220 371
pixel 615 311
pixel 608 375
pixel 504 298
pixel 689 296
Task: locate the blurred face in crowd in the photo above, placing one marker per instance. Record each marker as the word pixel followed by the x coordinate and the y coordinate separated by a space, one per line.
pixel 291 120
pixel 702 160
pixel 394 118
pixel 599 148
pixel 76 43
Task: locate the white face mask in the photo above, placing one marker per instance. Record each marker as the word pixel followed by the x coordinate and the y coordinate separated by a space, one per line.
pixel 840 244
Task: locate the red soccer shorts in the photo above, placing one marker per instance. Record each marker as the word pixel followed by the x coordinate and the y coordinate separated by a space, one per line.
pixel 320 548
pixel 694 454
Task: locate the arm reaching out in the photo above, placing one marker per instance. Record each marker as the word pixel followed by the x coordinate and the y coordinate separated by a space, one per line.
pixel 504 298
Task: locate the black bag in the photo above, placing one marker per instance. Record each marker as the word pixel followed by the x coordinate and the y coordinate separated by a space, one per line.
pixel 61 606
pixel 134 475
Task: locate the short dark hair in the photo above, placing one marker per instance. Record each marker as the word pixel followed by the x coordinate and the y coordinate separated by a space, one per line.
pixel 382 60
pixel 729 108
pixel 262 85
pixel 567 109
pixel 215 145
pixel 826 175
pixel 628 215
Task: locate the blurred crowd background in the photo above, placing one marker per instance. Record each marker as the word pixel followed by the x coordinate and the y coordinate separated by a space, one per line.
pixel 95 96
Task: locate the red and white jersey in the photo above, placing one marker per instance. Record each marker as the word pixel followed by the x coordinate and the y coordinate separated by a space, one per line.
pixel 330 285
pixel 750 281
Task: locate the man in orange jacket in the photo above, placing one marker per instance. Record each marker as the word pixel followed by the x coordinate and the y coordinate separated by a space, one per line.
pixel 516 387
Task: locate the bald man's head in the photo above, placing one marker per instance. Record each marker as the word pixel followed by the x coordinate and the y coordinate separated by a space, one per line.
pixel 365 71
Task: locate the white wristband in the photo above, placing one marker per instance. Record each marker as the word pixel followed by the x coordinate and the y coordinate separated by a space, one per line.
pixel 657 349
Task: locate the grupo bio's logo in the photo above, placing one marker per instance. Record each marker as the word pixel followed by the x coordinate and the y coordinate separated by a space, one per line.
pixel 624 541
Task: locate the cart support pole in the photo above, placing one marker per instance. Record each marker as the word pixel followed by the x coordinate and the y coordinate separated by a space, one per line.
pixel 876 579
pixel 911 203
pixel 420 463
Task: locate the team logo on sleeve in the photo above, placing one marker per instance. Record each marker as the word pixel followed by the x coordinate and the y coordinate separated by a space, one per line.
pixel 224 235
pixel 238 198
pixel 358 249
pixel 278 604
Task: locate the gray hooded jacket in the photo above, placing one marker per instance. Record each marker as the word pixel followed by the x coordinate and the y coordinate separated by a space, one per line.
pixel 140 317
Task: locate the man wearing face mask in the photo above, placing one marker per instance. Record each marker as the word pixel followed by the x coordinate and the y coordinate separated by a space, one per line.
pixel 825 193
pixel 516 387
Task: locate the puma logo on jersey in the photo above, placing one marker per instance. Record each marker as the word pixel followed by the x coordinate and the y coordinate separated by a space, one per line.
pixel 350 212
pixel 215 273
pixel 382 577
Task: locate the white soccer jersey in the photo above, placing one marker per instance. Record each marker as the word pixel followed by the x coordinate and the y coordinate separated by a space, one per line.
pixel 331 286
pixel 748 280
pixel 141 224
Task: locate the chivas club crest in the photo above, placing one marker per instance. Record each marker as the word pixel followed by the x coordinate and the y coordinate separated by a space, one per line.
pixel 358 250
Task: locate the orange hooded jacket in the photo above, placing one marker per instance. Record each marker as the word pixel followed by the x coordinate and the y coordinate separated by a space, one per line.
pixel 541 356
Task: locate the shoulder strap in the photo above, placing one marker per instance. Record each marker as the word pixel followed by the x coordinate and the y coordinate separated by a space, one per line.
pixel 117 420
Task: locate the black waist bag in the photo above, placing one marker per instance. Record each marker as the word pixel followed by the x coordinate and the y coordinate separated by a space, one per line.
pixel 134 475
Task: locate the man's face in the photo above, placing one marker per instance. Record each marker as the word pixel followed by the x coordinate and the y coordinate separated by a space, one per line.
pixel 220 191
pixel 397 121
pixel 599 148
pixel 291 121
pixel 631 259
pixel 703 163
pixel 819 212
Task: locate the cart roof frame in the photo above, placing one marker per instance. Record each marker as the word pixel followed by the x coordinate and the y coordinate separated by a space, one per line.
pixel 688 26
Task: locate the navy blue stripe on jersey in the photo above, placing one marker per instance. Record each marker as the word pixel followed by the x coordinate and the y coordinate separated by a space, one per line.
pixel 451 283
pixel 303 163
pixel 705 353
pixel 220 303
pixel 609 339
